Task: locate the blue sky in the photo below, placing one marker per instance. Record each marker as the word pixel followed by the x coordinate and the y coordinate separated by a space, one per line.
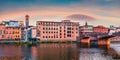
pixel 56 10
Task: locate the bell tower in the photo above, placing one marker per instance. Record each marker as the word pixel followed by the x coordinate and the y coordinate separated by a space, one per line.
pixel 27 21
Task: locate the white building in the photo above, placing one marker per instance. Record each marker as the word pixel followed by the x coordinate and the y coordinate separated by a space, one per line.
pixel 114 30
pixel 12 23
pixel 29 33
pixel 86 28
pixel 33 32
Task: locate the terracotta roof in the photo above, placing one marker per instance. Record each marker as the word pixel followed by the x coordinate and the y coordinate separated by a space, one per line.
pixel 100 26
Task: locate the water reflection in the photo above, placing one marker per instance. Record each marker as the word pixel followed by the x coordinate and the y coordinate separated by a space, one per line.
pixel 59 52
pixel 94 52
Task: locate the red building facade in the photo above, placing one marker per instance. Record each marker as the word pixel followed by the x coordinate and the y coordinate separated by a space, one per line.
pixel 100 29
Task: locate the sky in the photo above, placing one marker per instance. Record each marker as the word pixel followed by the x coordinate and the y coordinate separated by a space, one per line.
pixel 95 12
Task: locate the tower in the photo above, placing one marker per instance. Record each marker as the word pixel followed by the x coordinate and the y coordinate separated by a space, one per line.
pixel 27 21
pixel 86 23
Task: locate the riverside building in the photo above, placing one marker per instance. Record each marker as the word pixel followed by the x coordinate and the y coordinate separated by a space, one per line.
pixel 10 33
pixel 86 30
pixel 57 31
pixel 13 23
pixel 100 29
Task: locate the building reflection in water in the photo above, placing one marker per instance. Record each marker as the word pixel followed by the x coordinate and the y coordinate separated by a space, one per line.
pixel 57 52
pixel 34 51
pixel 10 52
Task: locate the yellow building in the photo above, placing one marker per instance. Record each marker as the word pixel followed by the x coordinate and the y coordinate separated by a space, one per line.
pixel 2 30
pixel 10 33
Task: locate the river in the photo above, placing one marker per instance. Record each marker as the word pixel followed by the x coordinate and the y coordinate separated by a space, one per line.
pixel 59 52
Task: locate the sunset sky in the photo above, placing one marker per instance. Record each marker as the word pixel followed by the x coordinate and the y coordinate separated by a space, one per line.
pixel 96 12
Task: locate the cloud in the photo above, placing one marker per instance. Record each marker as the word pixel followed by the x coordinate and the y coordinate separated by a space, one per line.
pixel 62 11
pixel 80 17
pixel 108 0
pixel 75 12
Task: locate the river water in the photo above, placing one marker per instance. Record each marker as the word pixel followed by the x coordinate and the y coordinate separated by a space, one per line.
pixel 59 52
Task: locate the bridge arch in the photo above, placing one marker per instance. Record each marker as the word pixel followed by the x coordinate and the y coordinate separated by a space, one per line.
pixel 105 40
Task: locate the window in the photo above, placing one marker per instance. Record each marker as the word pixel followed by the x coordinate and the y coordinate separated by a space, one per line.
pixel 51 24
pixel 60 33
pixel 16 32
pixel 56 36
pixel 51 36
pixel 64 36
pixel 2 36
pixel 13 32
pixel 72 32
pixel 76 28
pixel 47 29
pixel 38 33
pixel 52 32
pixel 72 28
pixel 76 32
pixel 43 28
pixel 60 27
pixel 43 24
pixel 68 28
pixel 43 36
pixel 0 31
pixel 56 32
pixel 4 31
pixel 64 27
pixel 60 30
pixel 64 30
pixel 51 28
pixel 46 24
pixel 68 35
pixel 68 31
pixel 60 36
pixel 56 28
pixel 43 31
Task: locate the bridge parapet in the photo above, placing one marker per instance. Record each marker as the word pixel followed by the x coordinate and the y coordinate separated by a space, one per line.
pixel 107 37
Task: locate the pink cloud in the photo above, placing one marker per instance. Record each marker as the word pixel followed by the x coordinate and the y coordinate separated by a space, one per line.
pixel 62 12
pixel 80 17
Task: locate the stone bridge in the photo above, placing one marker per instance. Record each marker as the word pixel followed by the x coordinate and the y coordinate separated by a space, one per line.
pixel 104 40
